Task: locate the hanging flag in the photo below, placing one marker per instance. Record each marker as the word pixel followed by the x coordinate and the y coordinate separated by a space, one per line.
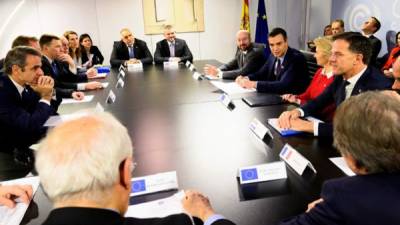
pixel 245 21
pixel 262 27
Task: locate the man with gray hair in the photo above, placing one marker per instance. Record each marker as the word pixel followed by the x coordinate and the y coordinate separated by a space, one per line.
pixel 96 176
pixel 249 58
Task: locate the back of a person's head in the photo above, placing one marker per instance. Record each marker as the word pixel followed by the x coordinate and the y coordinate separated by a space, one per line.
pixel 23 40
pixel 367 128
pixel 358 44
pixel 46 39
pixel 17 56
pixel 278 31
pixel 81 158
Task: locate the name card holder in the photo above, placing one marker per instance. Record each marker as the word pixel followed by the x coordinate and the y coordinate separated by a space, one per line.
pixel 259 129
pixel 192 68
pixel 295 160
pixel 188 64
pixel 121 74
pixel 263 172
pixel 197 76
pixel 121 67
pixel 154 183
pixel 171 65
pixel 135 67
pixel 120 83
pixel 227 102
pixel 111 97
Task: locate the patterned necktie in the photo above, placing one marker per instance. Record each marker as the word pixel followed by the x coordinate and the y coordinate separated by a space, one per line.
pixel 278 67
pixel 54 67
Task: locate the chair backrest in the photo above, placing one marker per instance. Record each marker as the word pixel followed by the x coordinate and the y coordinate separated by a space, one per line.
pixel 311 62
pixel 390 40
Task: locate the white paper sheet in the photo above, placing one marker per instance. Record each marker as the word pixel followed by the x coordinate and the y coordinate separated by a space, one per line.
pixel 87 98
pixel 209 77
pixel 14 216
pixel 159 208
pixel 231 88
pixel 99 75
pixel 56 120
pixel 105 84
pixel 341 163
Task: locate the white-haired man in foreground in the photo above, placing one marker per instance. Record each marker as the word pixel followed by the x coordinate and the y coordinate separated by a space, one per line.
pixel 92 156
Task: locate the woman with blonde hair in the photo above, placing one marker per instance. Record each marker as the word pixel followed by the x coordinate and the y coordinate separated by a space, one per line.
pixel 74 47
pixel 323 77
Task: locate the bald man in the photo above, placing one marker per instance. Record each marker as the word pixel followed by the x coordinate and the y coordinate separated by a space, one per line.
pixel 249 58
pixel 130 50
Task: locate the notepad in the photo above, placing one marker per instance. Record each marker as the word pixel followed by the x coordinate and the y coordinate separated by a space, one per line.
pixel 231 88
pixel 159 208
pixel 99 75
pixel 14 216
pixel 87 98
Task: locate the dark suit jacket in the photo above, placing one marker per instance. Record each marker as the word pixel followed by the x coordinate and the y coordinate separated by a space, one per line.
pixel 21 121
pixel 97 56
pixel 359 200
pixel 120 53
pixel 2 63
pixel 65 81
pixel 376 48
pixel 253 60
pixel 371 79
pixel 292 79
pixel 162 53
pixel 84 216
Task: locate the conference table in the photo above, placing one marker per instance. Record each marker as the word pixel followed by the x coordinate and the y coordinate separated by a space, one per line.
pixel 177 123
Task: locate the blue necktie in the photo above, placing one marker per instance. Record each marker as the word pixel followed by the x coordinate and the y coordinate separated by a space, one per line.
pixel 54 67
pixel 172 49
pixel 131 52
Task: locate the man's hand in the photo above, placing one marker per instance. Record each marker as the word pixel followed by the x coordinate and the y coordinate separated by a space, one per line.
pixel 78 95
pixel 302 125
pixel 66 58
pixel 388 73
pixel 285 118
pixel 132 61
pixel 197 205
pixel 291 98
pixel 92 72
pixel 93 85
pixel 8 194
pixel 174 59
pixel 210 70
pixel 245 82
pixel 313 204
pixel 44 87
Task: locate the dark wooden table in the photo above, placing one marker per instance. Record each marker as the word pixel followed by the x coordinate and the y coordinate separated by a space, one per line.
pixel 177 123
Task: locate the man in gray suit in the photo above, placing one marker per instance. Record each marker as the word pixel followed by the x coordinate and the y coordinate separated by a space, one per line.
pixel 249 58
pixel 172 49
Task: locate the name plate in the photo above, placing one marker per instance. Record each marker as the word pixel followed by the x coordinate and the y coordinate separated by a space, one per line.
pixel 259 129
pixel 263 172
pixel 134 67
pixel 295 160
pixel 99 108
pixel 121 74
pixel 154 183
pixel 226 101
pixel 120 83
pixel 121 67
pixel 192 68
pixel 171 65
pixel 197 76
pixel 111 97
pixel 187 64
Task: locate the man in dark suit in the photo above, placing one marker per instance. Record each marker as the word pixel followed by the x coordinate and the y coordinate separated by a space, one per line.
pixel 369 28
pixel 23 40
pixel 249 58
pixel 172 48
pixel 284 72
pixel 67 83
pixel 350 57
pixel 26 101
pixel 367 132
pixel 89 194
pixel 130 50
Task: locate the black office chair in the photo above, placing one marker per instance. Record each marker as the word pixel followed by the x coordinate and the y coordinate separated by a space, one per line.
pixel 311 63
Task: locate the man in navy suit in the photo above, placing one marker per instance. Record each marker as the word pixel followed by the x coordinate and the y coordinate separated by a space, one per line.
pixel 369 28
pixel 172 48
pixel 367 132
pixel 284 72
pixel 26 101
pixel 350 57
pixel 130 50
pixel 100 195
